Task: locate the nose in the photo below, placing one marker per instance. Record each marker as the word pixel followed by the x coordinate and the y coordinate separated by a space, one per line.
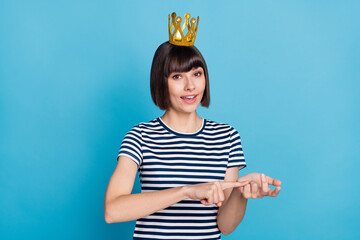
pixel 189 84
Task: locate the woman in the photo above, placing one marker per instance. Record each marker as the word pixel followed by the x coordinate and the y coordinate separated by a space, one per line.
pixel 188 166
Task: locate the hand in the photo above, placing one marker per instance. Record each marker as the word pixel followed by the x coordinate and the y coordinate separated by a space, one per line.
pixel 212 192
pixel 258 186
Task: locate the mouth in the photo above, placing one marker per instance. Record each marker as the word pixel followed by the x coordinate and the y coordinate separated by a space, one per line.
pixel 189 98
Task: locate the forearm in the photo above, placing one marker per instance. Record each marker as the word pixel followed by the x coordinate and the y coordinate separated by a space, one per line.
pixel 133 206
pixel 232 212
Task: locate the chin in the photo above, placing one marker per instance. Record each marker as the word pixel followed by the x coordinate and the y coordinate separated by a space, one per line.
pixel 189 109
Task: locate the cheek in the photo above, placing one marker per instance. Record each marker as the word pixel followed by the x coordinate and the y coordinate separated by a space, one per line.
pixel 174 91
pixel 202 85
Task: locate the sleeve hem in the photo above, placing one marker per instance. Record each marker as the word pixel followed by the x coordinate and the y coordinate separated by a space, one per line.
pixel 129 156
pixel 240 166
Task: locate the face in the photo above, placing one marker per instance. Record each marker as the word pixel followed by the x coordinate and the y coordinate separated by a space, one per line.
pixel 186 89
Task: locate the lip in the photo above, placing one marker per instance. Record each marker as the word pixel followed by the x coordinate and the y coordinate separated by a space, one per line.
pixel 189 101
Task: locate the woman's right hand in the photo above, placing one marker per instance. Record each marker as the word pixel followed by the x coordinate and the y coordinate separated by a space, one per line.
pixel 212 192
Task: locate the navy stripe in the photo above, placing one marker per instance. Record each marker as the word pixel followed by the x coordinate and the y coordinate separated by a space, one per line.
pixel 140 238
pixel 181 158
pixel 180 176
pixel 182 152
pixel 184 170
pixel 184 164
pixel 192 208
pixel 175 227
pixel 175 220
pixel 185 214
pixel 177 234
pixel 165 147
pixel 172 137
pixel 172 182
pixel 209 143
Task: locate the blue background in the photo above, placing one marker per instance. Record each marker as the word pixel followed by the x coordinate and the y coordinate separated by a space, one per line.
pixel 74 78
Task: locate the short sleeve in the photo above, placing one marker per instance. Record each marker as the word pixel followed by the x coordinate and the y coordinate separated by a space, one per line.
pixel 131 146
pixel 236 154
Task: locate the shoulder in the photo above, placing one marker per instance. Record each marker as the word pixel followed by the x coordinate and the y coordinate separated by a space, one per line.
pixel 149 127
pixel 218 126
pixel 224 129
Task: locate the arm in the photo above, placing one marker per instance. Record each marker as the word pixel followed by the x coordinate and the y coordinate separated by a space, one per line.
pixel 232 212
pixel 120 205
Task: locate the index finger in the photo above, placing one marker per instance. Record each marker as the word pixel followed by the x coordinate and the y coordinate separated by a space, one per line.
pixel 226 184
pixel 274 182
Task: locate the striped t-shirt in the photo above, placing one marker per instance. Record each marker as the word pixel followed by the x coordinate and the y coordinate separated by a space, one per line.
pixel 166 159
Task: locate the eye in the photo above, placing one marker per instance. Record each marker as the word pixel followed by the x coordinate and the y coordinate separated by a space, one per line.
pixel 197 74
pixel 176 76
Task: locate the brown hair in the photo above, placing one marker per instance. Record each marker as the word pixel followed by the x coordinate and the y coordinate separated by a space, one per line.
pixel 170 58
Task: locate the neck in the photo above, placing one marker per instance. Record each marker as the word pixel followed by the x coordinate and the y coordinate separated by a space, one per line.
pixel 182 122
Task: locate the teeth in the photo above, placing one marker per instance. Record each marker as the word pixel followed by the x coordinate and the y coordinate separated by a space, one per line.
pixel 190 97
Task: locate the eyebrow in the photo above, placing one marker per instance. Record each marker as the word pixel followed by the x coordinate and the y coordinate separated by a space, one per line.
pixel 193 69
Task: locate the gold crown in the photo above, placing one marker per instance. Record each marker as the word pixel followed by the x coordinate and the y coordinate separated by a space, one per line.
pixel 177 36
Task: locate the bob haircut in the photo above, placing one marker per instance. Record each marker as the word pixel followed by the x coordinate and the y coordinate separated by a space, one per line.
pixel 170 58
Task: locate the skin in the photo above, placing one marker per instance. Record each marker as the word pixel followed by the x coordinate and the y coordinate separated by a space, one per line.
pixel 230 195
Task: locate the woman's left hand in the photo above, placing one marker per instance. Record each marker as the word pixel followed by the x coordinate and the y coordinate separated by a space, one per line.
pixel 258 186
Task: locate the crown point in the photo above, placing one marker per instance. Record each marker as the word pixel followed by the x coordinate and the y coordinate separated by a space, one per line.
pixel 193 20
pixel 187 15
pixel 173 14
pixel 178 19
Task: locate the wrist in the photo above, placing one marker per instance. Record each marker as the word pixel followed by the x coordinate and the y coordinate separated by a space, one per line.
pixel 184 191
pixel 243 178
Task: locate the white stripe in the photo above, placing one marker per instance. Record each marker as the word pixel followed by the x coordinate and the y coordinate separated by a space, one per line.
pixel 178 179
pixel 195 218
pixel 180 167
pixel 191 204
pixel 183 173
pixel 175 237
pixel 210 141
pixel 178 224
pixel 188 211
pixel 153 135
pixel 150 145
pixel 181 155
pixel 128 147
pixel 187 161
pixel 156 230
pixel 173 149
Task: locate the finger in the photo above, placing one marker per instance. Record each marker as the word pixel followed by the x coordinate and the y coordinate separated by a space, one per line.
pixel 210 196
pixel 247 193
pixel 264 185
pixel 220 193
pixel 254 190
pixel 226 185
pixel 274 182
pixel 206 202
pixel 215 193
pixel 275 192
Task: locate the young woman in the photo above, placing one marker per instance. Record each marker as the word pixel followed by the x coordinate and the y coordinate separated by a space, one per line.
pixel 188 165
